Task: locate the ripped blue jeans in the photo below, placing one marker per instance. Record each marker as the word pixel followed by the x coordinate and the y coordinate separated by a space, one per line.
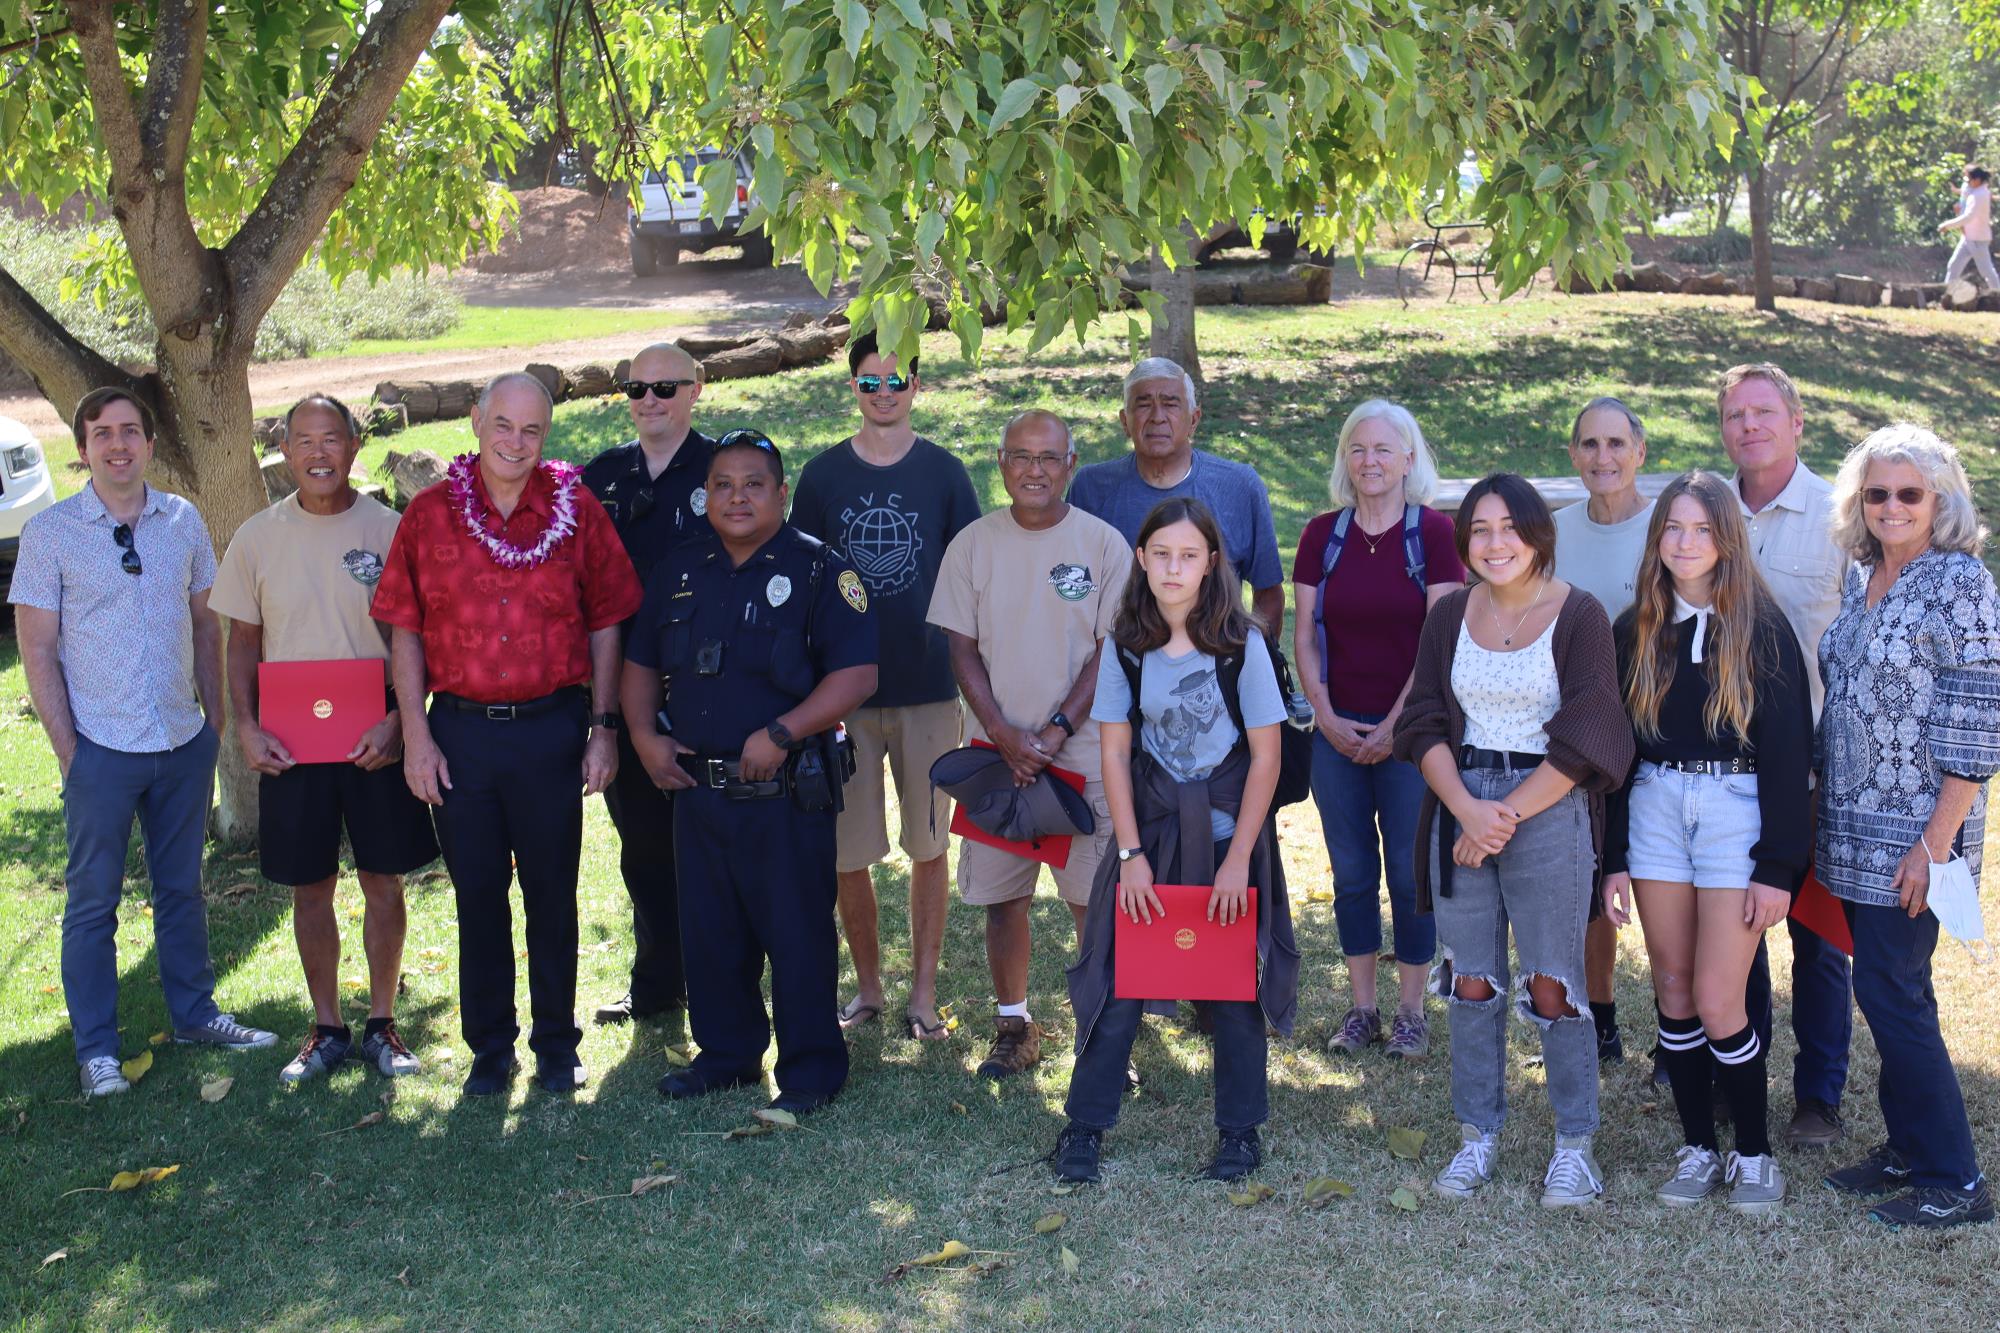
pixel 1540 884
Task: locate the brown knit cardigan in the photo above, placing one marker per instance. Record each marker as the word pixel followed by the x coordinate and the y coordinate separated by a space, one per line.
pixel 1590 737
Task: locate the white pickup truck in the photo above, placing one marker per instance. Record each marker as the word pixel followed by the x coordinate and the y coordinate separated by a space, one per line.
pixel 26 489
pixel 669 218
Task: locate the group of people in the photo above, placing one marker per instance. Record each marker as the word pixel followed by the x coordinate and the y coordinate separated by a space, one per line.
pixel 1519 720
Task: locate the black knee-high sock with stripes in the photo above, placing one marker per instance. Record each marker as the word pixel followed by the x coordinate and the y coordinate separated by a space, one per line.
pixel 1740 1061
pixel 1684 1051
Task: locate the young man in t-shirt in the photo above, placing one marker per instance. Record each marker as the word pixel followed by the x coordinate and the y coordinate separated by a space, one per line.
pixel 891 502
pixel 1025 598
pixel 1598 544
pixel 1974 225
pixel 296 584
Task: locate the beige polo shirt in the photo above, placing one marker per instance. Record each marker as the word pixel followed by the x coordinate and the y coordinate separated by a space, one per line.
pixel 1793 540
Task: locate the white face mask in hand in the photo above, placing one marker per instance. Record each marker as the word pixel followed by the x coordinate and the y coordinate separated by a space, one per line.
pixel 1954 898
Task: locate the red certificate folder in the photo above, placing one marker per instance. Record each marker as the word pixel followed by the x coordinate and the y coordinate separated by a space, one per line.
pixel 1182 955
pixel 320 709
pixel 1820 912
pixel 1053 852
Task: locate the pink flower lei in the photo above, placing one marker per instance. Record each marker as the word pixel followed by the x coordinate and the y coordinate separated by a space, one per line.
pixel 472 512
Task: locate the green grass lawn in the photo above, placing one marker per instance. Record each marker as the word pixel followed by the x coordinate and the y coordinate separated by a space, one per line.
pixel 510 1213
pixel 526 326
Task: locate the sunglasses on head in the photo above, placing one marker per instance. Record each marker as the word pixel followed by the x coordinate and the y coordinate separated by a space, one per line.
pixel 737 439
pixel 662 389
pixel 1910 496
pixel 129 559
pixel 874 383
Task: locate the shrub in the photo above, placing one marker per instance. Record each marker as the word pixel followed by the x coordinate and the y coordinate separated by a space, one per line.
pixel 1728 246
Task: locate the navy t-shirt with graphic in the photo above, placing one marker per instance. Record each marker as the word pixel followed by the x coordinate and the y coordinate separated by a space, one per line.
pixel 893 524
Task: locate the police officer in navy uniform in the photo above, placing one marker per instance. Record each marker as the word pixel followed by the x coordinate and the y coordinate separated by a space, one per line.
pixel 655 489
pixel 763 642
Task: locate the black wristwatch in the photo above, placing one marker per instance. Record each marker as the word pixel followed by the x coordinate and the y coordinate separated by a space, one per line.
pixel 607 722
pixel 1058 720
pixel 781 736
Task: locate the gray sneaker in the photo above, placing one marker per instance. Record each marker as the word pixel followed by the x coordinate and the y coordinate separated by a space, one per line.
pixel 1573 1178
pixel 1409 1036
pixel 385 1050
pixel 1697 1174
pixel 321 1054
pixel 1756 1185
pixel 223 1030
pixel 1359 1029
pixel 1471 1167
pixel 102 1077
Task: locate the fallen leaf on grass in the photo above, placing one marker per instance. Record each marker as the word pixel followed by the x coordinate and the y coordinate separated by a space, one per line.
pixel 239 889
pixel 775 1118
pixel 372 1118
pixel 1070 1262
pixel 640 1185
pixel 20 1123
pixel 217 1090
pixel 135 1068
pixel 678 1058
pixel 1407 1144
pixel 1404 1199
pixel 748 1131
pixel 55 1258
pixel 958 1108
pixel 1052 1222
pixel 1065 1187
pixel 131 1180
pixel 1253 1195
pixel 1323 1188
pixel 953 1249
pixel 50 989
pixel 158 1039
pixel 388 1097
pixel 1320 896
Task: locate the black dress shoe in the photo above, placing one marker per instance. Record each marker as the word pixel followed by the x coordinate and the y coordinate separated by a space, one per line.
pixel 491 1074
pixel 685 1083
pixel 560 1076
pixel 623 1010
pixel 800 1103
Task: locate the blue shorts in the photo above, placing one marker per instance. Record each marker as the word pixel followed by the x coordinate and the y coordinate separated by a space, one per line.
pixel 1692 828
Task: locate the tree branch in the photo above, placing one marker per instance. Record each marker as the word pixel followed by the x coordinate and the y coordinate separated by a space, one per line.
pixel 323 165
pixel 173 91
pixel 63 368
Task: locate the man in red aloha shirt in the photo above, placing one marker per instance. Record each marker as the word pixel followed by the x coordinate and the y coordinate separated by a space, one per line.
pixel 505 587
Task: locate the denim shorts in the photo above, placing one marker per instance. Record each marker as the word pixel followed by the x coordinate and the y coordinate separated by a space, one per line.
pixel 1692 828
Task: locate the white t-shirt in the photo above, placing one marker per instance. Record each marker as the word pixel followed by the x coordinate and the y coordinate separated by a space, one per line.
pixel 1976 204
pixel 1601 558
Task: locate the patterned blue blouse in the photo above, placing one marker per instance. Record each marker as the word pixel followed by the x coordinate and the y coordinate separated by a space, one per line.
pixel 1912 694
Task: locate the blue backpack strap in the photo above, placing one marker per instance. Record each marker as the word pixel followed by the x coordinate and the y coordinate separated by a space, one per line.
pixel 1133 666
pixel 1335 540
pixel 1413 548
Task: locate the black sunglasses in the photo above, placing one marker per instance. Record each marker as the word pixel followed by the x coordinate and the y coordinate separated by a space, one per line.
pixel 129 560
pixel 1909 496
pixel 874 383
pixel 662 389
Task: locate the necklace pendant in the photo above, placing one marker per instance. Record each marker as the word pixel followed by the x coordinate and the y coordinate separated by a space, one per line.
pixel 1506 640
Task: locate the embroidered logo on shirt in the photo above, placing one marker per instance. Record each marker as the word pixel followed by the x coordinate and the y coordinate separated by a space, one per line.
pixel 850 588
pixel 364 566
pixel 1072 582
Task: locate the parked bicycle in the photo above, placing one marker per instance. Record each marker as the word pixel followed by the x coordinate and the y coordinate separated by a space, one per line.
pixel 1433 267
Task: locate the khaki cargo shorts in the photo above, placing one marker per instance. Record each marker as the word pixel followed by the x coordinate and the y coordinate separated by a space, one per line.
pixel 911 739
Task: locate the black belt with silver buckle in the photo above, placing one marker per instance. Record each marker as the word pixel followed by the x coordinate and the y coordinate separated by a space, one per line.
pixel 1471 756
pixel 721 773
pixel 511 712
pixel 1715 768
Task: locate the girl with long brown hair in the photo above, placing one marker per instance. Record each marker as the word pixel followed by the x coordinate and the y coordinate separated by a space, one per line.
pixel 1712 829
pixel 1186 675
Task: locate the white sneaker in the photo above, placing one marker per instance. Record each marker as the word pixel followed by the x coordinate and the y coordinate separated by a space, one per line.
pixel 1756 1185
pixel 1572 1178
pixel 101 1076
pixel 1471 1168
pixel 1697 1175
pixel 223 1030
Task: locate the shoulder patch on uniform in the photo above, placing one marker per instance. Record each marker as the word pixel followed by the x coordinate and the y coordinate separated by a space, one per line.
pixel 850 587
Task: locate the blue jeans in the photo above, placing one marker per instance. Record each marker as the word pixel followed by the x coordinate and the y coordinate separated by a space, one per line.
pixel 1922 1106
pixel 1355 801
pixel 168 791
pixel 1822 1015
pixel 1242 1091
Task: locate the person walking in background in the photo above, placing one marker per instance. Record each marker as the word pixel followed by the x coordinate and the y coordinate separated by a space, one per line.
pixel 1908 739
pixel 124 665
pixel 1365 575
pixel 1713 828
pixel 891 502
pixel 1599 541
pixel 1515 719
pixel 296 583
pixel 1974 225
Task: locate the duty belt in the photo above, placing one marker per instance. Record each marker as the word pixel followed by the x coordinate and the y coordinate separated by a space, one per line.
pixel 721 772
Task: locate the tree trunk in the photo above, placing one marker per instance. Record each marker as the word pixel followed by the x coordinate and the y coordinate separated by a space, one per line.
pixel 1725 201
pixel 1173 324
pixel 1764 287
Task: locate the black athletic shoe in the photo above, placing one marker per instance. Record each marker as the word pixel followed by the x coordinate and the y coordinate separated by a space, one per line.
pixel 1931 1206
pixel 1237 1154
pixel 562 1075
pixel 1660 1076
pixel 1077 1150
pixel 685 1083
pixel 1882 1171
pixel 491 1074
pixel 1610 1048
pixel 801 1103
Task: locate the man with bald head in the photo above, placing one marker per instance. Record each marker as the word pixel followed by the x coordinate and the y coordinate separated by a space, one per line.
pixel 504 590
pixel 652 486
pixel 1025 597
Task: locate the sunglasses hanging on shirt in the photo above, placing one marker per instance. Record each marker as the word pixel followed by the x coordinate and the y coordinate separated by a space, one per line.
pixel 129 559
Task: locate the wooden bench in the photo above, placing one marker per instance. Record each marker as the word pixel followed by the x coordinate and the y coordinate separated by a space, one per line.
pixel 1558 491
